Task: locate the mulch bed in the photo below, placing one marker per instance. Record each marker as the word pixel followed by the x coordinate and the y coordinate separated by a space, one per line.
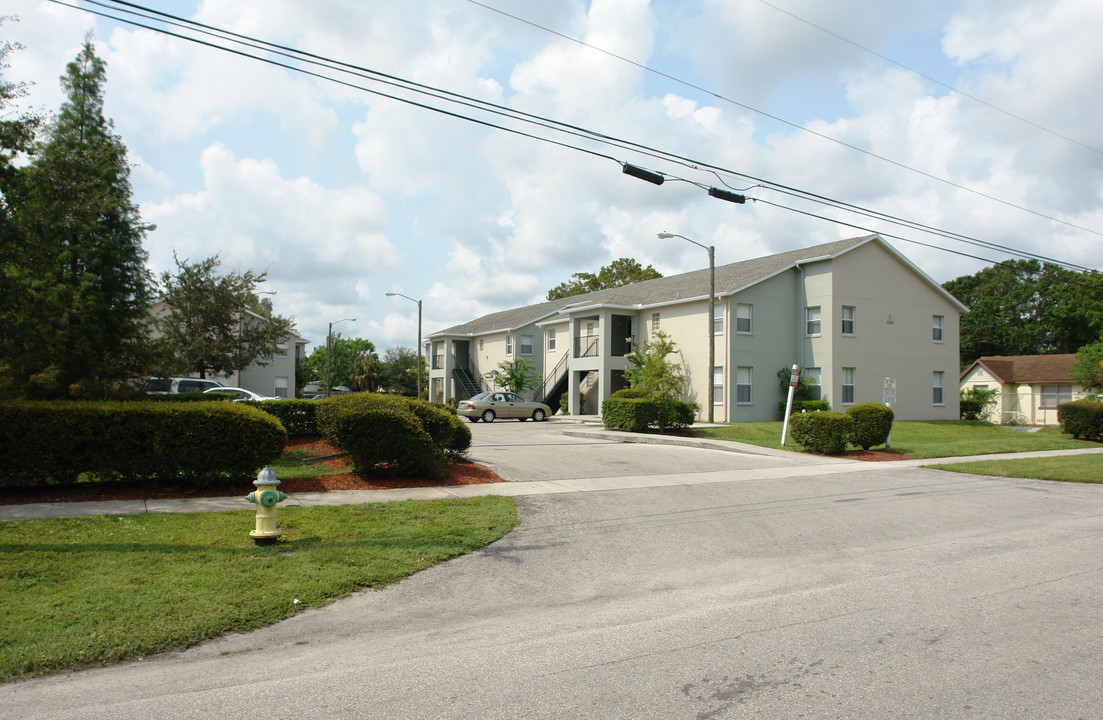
pixel 461 472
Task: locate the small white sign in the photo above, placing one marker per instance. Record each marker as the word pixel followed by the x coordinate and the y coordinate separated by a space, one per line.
pixel 888 395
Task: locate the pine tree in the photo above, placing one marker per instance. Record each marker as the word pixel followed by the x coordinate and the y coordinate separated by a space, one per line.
pixel 87 289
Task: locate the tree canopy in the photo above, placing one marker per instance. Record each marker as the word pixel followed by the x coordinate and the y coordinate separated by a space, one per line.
pixel 217 323
pixel 75 318
pixel 1024 307
pixel 355 363
pixel 619 272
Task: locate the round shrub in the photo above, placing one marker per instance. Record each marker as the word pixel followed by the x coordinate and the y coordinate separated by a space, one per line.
pixel 872 424
pixel 821 432
pixel 1083 419
pixel 384 438
pixel 629 393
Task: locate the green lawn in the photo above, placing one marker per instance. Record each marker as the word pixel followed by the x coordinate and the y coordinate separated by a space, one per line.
pixel 86 591
pixel 1074 468
pixel 919 439
pixel 290 465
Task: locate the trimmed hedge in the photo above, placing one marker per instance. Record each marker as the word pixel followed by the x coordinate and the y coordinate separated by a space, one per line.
pixel 207 444
pixel 298 416
pixel 631 410
pixel 822 432
pixel 800 406
pixel 1083 419
pixel 872 424
pixel 393 436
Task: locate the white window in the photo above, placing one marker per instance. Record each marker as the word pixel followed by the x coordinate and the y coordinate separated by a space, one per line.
pixel 743 385
pixel 509 344
pixel 717 319
pixel 812 320
pixel 848 386
pixel 526 344
pixel 848 320
pixel 654 321
pixel 281 349
pixel 936 387
pixel 813 375
pixel 281 387
pixel 718 385
pixel 589 329
pixel 551 339
pixel 480 343
pixel 936 328
pixel 743 318
pixel 1054 395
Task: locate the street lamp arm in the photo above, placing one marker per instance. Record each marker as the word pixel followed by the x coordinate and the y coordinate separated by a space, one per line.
pixel 667 236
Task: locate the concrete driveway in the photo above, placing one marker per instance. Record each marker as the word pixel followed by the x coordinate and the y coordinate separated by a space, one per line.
pixel 863 591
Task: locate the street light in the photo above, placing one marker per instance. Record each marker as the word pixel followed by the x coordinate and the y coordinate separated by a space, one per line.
pixel 712 309
pixel 394 294
pixel 329 352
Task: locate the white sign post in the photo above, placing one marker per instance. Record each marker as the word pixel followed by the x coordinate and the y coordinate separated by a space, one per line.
pixel 793 376
pixel 888 397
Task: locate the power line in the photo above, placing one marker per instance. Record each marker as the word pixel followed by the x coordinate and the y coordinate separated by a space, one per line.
pixel 782 120
pixel 928 78
pixel 485 106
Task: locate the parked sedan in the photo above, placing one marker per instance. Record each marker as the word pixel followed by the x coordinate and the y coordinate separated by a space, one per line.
pixel 236 393
pixel 489 405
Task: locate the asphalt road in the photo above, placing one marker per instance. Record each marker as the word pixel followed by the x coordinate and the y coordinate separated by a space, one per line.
pixel 877 592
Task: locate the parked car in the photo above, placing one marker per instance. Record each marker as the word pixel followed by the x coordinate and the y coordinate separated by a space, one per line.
pixel 167 385
pixel 487 406
pixel 240 393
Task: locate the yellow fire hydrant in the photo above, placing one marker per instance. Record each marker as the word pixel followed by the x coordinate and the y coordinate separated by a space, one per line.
pixel 265 497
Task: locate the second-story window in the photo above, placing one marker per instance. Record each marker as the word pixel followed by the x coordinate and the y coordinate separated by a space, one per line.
pixel 551 339
pixel 509 344
pixel 654 322
pixel 812 320
pixel 718 320
pixel 743 318
pixel 848 320
pixel 936 328
pixel 526 344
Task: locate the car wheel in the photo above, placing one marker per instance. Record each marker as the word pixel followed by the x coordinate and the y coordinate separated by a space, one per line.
pixel 473 419
pixel 538 415
pixel 488 416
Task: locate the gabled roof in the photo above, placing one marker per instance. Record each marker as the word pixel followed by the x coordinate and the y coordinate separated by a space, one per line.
pixel 686 286
pixel 1018 369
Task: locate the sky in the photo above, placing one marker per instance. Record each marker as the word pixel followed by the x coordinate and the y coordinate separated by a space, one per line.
pixel 980 118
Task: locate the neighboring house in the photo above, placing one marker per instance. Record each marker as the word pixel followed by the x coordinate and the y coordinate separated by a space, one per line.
pixel 274 379
pixel 851 313
pixel 1030 386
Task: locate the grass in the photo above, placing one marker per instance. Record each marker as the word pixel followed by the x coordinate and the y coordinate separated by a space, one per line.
pixel 1074 468
pixel 87 591
pixel 918 439
pixel 290 465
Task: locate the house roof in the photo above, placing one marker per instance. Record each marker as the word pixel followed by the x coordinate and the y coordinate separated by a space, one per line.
pixel 686 286
pixel 1018 369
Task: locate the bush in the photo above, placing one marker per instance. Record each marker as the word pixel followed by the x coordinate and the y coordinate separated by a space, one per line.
pixel 213 443
pixel 872 424
pixel 800 406
pixel 632 411
pixel 393 436
pixel 1083 419
pixel 823 432
pixel 297 416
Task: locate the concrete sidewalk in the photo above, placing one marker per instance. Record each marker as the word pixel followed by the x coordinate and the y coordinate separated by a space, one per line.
pixel 789 465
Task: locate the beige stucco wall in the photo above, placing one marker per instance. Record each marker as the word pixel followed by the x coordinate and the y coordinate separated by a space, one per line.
pixel 894 307
pixel 1017 403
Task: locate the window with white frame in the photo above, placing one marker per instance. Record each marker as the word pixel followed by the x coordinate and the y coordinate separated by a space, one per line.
pixel 848 386
pixel 509 344
pixel 718 385
pixel 589 329
pixel 812 320
pixel 743 385
pixel 743 312
pixel 813 376
pixel 551 339
pixel 654 322
pixel 526 344
pixel 281 349
pixel 936 328
pixel 848 320
pixel 480 344
pixel 1054 395
pixel 718 320
pixel 936 386
pixel 281 387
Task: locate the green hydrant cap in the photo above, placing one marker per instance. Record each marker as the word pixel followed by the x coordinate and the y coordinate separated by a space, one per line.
pixel 266 477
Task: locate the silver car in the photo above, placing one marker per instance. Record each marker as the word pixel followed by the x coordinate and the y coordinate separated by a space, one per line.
pixel 487 406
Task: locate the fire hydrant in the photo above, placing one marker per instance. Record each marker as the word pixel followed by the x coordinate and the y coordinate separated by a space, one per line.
pixel 265 497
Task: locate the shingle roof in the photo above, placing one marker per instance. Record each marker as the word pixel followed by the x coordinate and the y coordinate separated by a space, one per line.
pixel 729 278
pixel 1017 369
